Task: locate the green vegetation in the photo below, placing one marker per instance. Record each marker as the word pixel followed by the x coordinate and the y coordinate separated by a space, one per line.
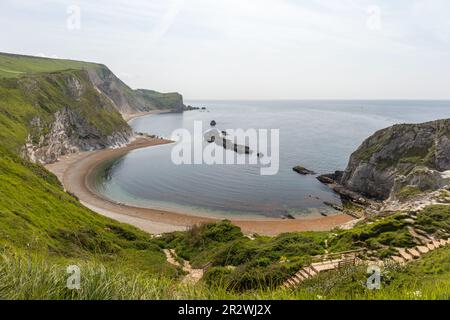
pixel 384 234
pixel 159 100
pixel 239 263
pixel 12 65
pixel 426 278
pixel 38 97
pixel 37 216
pixel 32 277
pixel 408 192
pixel 248 264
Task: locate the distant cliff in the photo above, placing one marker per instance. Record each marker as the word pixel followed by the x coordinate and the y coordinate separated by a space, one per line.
pixel 129 101
pixel 51 107
pixel 401 160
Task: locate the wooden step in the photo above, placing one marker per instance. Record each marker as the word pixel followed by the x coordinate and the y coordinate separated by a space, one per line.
pixel 310 271
pixel 300 276
pixel 423 249
pixel 431 246
pixel 296 280
pixel 436 244
pixel 443 243
pixel 405 255
pixel 413 252
pixel 398 259
pixel 319 267
pixel 291 283
pixel 313 268
pixel 304 274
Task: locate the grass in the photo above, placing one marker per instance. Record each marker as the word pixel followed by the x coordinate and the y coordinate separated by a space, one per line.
pixel 263 261
pixel 28 105
pixel 32 277
pixel 12 65
pixel 408 192
pixel 37 216
pixel 157 100
pixel 239 263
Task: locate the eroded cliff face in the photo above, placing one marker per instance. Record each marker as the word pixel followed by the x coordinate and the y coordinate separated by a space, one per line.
pixel 68 133
pixel 65 113
pixel 400 158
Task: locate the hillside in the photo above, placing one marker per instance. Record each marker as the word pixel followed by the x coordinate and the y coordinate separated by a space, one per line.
pixel 48 108
pixel 125 99
pixel 37 217
pixel 51 107
pixel 13 65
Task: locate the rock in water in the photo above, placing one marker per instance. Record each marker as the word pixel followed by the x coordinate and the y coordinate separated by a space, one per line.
pixel 213 123
pixel 303 170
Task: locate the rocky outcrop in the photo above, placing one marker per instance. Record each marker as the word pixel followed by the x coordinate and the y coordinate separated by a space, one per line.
pixel 403 155
pixel 69 133
pixel 419 180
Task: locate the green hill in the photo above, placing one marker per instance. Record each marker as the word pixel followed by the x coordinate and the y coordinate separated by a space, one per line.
pixel 38 217
pixel 12 65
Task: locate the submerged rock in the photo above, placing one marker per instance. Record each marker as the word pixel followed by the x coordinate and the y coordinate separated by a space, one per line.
pixel 303 170
pixel 334 206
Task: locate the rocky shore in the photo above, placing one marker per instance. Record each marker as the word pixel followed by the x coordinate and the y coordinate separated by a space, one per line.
pixel 397 166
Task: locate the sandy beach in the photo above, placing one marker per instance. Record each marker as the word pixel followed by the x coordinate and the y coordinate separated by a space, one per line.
pixel 74 171
pixel 128 117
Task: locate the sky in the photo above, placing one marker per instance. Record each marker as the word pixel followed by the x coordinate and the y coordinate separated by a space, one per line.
pixel 247 49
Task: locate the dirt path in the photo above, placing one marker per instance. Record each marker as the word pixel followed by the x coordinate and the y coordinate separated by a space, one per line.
pixel 193 275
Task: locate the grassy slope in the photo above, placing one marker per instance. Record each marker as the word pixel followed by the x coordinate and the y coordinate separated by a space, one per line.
pixel 37 216
pixel 159 100
pixel 428 278
pixel 12 65
pixel 41 95
pixel 268 262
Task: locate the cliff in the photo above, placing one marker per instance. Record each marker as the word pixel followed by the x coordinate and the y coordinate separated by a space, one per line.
pixel 52 107
pixel 129 101
pixel 401 160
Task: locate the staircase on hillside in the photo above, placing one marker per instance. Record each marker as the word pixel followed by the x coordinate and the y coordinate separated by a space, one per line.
pixel 351 258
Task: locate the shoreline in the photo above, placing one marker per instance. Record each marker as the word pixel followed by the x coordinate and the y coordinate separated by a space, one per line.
pixel 74 171
pixel 129 117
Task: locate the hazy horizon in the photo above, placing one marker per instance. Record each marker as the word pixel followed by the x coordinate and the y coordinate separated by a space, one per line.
pixel 247 50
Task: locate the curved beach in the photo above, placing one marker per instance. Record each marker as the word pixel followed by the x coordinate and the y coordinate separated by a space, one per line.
pixel 74 171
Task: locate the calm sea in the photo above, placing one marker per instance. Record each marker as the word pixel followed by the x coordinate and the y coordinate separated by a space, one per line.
pixel 319 135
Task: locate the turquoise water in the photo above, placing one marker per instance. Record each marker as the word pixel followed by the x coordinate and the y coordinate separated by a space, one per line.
pixel 319 135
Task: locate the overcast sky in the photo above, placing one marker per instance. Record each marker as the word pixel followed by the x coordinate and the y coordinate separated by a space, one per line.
pixel 247 49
